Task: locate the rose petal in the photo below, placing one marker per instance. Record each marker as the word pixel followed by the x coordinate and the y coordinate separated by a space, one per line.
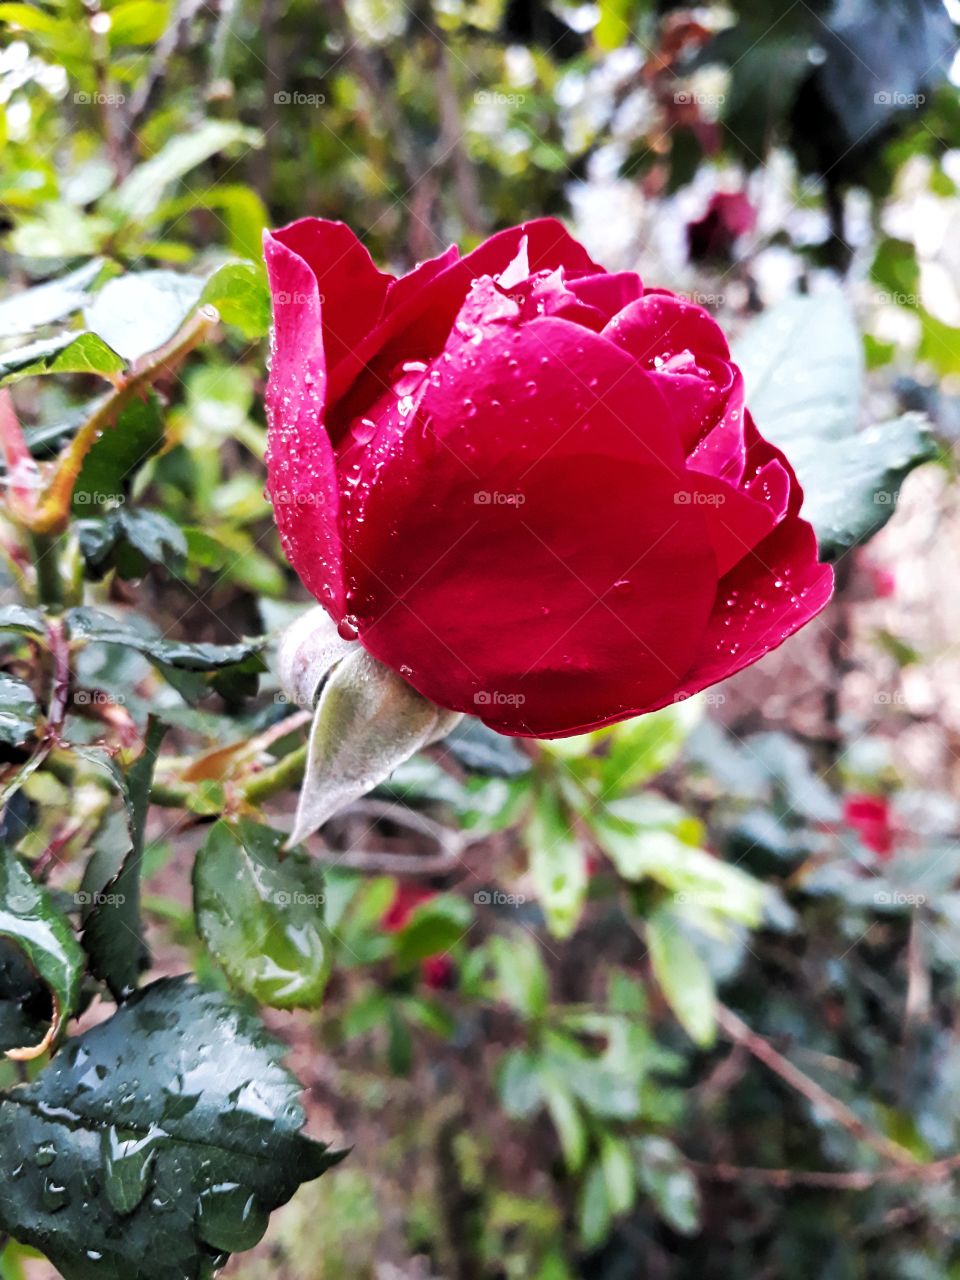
pixel 301 470
pixel 558 482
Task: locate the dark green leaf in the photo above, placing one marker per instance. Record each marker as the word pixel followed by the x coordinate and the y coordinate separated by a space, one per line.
pixel 261 914
pixel 157 1142
pixel 109 467
pixel 130 541
pixel 481 750
pixel 90 624
pixel 112 928
pixel 434 927
pixel 30 922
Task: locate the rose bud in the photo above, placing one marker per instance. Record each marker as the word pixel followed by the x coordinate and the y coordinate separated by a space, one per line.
pixel 528 487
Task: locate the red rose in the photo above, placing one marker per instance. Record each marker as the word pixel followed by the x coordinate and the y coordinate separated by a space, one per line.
pixel 869 816
pixel 528 486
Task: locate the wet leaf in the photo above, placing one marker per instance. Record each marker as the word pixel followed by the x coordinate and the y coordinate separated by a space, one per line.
pixel 179 655
pixel 157 1142
pixel 110 466
pixel 141 311
pixel 240 293
pixel 261 914
pixel 30 923
pixel 30 309
pixel 67 353
pixel 802 364
pixel 18 711
pixel 130 541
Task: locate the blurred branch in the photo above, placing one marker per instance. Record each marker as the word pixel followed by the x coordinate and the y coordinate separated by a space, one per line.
pixel 738 1031
pixel 147 91
pixel 854 1180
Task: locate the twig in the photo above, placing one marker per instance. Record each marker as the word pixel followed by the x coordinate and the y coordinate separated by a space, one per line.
pixel 738 1031
pixel 853 1180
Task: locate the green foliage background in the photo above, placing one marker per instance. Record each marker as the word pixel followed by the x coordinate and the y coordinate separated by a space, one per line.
pixel 641 1003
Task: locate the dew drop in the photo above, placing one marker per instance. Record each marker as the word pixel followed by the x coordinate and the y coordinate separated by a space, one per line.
pixel 348 627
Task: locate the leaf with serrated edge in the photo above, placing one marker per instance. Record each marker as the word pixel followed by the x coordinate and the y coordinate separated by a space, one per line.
pixel 179 1111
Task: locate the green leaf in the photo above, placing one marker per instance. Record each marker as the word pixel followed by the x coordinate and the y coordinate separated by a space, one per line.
pixel 433 928
pixel 92 625
pixel 692 875
pixel 558 864
pixel 113 461
pixel 616 1161
pixel 110 892
pixel 43 304
pixel 519 1084
pixel 139 194
pixel 595 1209
pixel 683 976
pixel 482 750
pixel 665 1176
pixel 645 746
pixel 240 293
pixel 67 353
pixel 17 617
pixel 853 499
pixel 802 364
pixel 18 711
pixel 130 541
pixel 156 1143
pixel 521 975
pixel 141 311
pixel 261 914
pixel 138 22
pixel 30 922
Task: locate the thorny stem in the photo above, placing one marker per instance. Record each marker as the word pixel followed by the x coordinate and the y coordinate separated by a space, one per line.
pixel 53 509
